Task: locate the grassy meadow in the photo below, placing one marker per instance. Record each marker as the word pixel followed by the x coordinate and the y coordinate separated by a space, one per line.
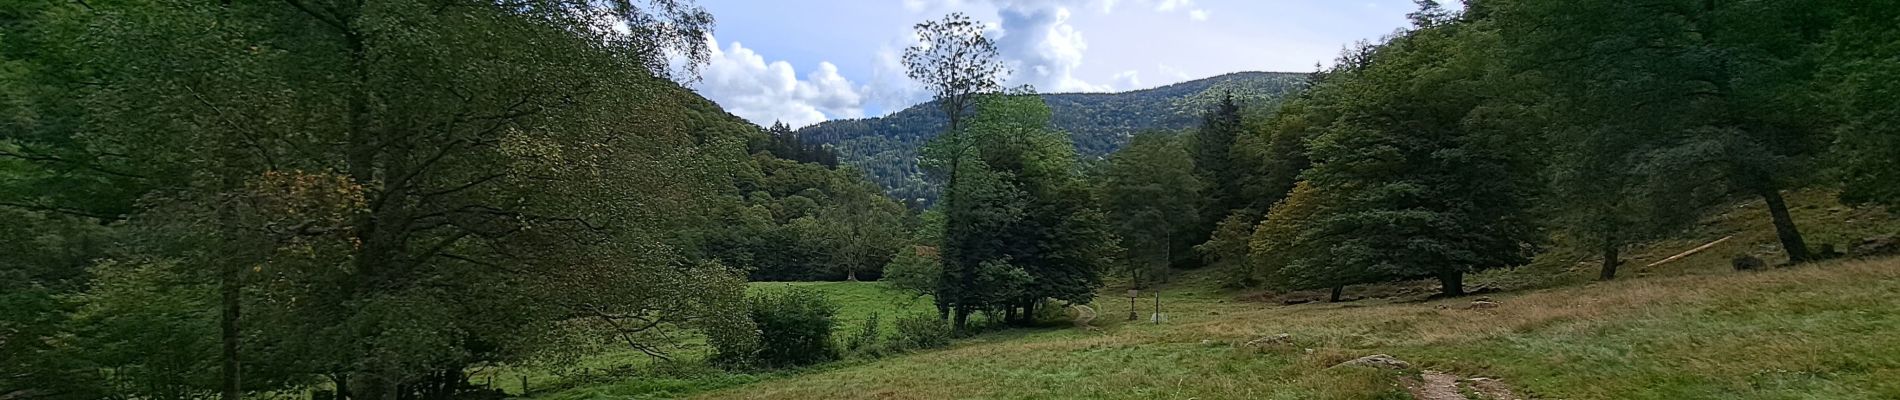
pixel 1688 329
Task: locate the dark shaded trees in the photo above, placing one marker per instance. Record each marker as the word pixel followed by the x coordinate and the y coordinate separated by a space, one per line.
pixel 1859 81
pixel 1151 192
pixel 1707 92
pixel 1213 153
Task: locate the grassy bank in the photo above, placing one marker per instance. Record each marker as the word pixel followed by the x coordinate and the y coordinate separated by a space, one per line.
pixel 1829 330
pixel 1688 329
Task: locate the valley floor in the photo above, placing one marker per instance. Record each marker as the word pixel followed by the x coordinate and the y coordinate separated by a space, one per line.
pixel 1689 329
pixel 1829 330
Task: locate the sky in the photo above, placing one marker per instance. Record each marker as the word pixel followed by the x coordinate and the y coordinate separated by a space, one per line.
pixel 806 61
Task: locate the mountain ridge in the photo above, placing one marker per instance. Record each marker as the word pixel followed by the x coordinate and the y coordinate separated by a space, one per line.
pixel 885 148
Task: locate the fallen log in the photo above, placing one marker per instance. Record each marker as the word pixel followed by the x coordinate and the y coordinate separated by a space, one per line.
pixel 1691 251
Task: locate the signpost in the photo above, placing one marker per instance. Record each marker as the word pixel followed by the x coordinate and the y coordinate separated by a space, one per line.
pixel 1158 317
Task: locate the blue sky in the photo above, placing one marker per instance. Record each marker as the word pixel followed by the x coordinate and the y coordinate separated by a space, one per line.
pixel 806 61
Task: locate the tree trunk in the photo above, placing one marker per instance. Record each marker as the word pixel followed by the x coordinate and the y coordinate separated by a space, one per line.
pixel 1452 283
pixel 962 319
pixel 1338 292
pixel 1791 240
pixel 1610 260
pixel 341 386
pixel 229 289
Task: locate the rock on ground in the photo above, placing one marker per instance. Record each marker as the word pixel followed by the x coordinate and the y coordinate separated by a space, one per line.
pixel 1378 361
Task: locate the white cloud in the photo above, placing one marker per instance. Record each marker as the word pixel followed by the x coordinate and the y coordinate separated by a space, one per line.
pixel 1036 38
pixel 1170 5
pixel 1128 80
pixel 889 89
pixel 1172 72
pixel 740 80
pixel 1043 49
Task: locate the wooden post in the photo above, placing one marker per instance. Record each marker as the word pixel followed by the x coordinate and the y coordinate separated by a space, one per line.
pixel 524 385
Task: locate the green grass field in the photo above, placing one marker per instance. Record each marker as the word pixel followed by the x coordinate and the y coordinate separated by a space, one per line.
pixel 1690 329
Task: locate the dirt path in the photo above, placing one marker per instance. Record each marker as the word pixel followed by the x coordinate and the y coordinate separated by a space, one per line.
pixel 1434 385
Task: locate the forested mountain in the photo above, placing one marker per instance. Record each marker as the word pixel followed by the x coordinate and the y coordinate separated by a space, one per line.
pixel 1098 123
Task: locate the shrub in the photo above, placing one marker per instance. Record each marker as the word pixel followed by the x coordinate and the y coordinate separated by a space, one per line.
pixel 1227 250
pixel 915 269
pixel 794 327
pixel 865 340
pixel 921 331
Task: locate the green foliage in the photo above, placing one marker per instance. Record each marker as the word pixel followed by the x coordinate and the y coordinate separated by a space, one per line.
pixel 393 192
pixel 1283 246
pixel 1713 93
pixel 795 326
pixel 1019 223
pixel 915 269
pixel 1213 153
pixel 802 221
pixel 917 331
pixel 1151 190
pixel 155 325
pixel 1860 77
pixel 1227 250
pixel 1417 186
pixel 866 339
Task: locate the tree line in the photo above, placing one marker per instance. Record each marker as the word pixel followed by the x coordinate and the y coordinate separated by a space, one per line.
pixel 1476 138
pixel 1473 139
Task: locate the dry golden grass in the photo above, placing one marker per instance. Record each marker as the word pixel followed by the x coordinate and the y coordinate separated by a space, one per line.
pixel 1690 329
pixel 1690 336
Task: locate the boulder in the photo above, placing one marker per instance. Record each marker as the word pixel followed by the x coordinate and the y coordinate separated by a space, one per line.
pixel 1747 263
pixel 1378 361
pixel 1875 246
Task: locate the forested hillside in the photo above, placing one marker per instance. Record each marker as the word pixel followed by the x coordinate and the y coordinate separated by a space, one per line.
pixel 228 200
pixel 1098 123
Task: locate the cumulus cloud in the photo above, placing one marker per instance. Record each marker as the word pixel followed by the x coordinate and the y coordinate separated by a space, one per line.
pixel 1043 48
pixel 1128 80
pixel 740 80
pixel 1168 6
pixel 889 89
pixel 1172 72
pixel 1034 37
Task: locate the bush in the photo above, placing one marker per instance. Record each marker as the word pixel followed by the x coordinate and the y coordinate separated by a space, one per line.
pixel 865 340
pixel 921 331
pixel 794 327
pixel 915 269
